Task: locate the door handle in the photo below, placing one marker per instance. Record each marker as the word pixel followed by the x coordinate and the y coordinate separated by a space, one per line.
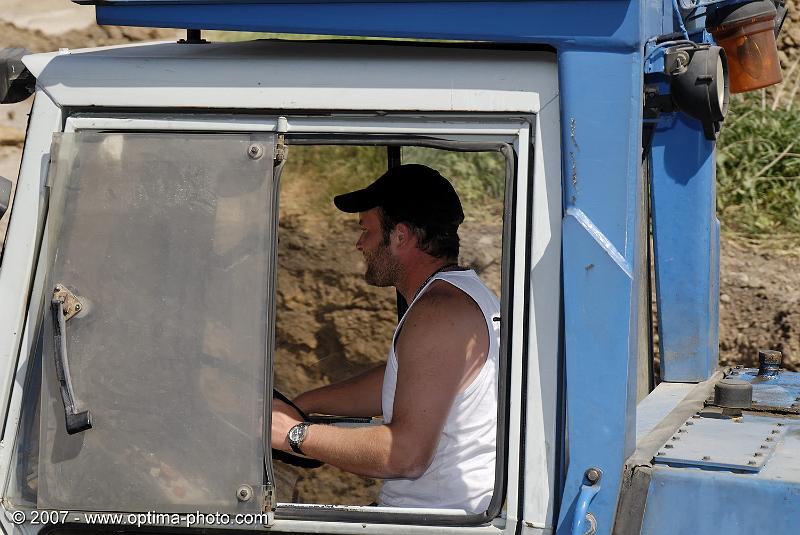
pixel 76 421
pixel 584 523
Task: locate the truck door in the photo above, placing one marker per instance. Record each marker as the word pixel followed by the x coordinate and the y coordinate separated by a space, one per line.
pixel 154 334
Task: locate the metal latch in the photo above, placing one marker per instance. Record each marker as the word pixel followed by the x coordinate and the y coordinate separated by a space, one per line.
pixel 71 304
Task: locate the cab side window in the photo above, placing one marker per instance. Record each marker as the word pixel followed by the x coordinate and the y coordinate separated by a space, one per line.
pixel 332 325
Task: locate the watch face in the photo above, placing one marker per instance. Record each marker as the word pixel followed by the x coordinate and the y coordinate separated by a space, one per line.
pixel 297 433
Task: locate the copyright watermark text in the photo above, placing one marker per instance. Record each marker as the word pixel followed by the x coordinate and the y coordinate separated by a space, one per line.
pixel 150 518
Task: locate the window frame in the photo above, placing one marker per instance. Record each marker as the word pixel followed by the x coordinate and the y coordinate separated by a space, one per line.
pixel 518 130
pixel 441 517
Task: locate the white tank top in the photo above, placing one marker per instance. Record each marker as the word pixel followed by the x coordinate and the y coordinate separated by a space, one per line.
pixel 461 474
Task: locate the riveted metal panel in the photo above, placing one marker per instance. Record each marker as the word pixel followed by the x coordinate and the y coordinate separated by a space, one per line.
pixel 742 443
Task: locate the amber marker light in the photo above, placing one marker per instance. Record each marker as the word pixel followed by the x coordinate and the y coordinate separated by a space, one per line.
pixel 747 33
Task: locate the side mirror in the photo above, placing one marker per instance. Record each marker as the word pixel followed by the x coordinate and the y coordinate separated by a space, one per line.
pixel 16 82
pixel 5 195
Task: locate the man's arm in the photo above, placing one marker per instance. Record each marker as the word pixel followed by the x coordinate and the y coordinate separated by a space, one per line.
pixel 443 336
pixel 358 396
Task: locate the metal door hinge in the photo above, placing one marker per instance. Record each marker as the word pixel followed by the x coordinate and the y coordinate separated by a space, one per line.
pixel 281 149
pixel 72 305
pixel 268 507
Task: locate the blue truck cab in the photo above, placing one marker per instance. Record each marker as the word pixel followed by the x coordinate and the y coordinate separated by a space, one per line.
pixel 137 332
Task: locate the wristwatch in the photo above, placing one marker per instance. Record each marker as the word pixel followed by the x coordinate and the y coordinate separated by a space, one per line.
pixel 297 435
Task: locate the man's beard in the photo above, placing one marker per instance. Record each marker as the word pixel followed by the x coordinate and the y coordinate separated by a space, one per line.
pixel 382 268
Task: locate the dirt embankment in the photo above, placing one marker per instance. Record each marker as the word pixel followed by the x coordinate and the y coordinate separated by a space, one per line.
pixel 759 303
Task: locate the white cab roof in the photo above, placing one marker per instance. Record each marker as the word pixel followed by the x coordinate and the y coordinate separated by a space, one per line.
pixel 277 75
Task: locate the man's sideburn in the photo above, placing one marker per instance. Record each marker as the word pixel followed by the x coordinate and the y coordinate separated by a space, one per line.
pixel 383 269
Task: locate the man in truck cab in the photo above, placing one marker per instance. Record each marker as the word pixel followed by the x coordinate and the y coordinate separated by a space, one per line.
pixel 437 391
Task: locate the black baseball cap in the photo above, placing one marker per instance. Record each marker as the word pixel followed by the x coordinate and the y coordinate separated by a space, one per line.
pixel 411 193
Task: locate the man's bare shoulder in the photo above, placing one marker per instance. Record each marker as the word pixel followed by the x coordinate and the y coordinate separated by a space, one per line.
pixel 443 308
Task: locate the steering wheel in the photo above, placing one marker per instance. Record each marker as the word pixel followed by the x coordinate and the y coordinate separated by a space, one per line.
pixel 291 458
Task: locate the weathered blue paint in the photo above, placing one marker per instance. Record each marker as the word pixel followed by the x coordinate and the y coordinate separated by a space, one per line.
pixel 602 24
pixel 777 392
pixel 599 250
pixel 704 502
pixel 686 247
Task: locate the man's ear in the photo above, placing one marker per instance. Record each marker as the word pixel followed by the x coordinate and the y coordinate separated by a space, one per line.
pixel 402 235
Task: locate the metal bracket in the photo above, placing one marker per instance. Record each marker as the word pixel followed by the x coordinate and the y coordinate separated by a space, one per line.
pixel 281 149
pixel 72 305
pixel 269 505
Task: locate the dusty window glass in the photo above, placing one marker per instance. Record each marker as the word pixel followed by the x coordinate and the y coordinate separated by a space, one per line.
pixel 166 242
pixel 332 325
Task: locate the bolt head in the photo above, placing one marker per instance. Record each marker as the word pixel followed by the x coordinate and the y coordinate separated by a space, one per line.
pixel 593 475
pixel 244 493
pixel 255 151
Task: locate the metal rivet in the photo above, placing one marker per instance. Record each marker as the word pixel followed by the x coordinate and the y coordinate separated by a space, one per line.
pixel 668 446
pixel 244 493
pixel 758 454
pixel 706 458
pixel 764 447
pixel 675 438
pixel 780 424
pixel 681 430
pixel 77 306
pixel 255 151
pixel 690 423
pixel 695 416
pixel 751 463
pixel 769 439
pixel 775 431
pixel 661 453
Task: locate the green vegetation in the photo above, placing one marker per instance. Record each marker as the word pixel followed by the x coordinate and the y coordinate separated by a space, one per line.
pixel 479 177
pixel 758 164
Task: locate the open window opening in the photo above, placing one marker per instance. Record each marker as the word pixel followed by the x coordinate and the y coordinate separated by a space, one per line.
pixel 331 325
